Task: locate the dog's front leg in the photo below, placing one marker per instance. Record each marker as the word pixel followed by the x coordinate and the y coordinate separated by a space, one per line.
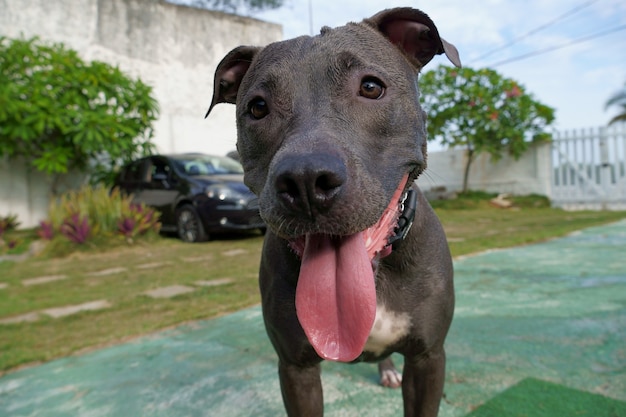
pixel 422 384
pixel 302 390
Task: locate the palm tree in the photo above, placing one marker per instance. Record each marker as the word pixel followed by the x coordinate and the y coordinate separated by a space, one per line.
pixel 618 99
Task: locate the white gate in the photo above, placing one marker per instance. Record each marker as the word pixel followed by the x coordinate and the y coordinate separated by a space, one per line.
pixel 589 168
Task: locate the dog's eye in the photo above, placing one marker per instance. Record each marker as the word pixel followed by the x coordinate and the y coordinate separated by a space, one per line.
pixel 372 88
pixel 258 108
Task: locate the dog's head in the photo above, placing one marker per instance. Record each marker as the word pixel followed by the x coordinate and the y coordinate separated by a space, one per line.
pixel 328 126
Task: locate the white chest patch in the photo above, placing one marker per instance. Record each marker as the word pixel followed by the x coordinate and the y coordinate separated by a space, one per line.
pixel 389 327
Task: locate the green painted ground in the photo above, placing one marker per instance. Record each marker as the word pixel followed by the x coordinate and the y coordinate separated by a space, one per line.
pixel 534 397
pixel 539 331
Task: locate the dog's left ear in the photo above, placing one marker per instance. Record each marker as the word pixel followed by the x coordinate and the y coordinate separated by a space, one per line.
pixel 414 33
pixel 229 73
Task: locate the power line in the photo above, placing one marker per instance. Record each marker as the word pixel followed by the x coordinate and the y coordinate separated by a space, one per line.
pixel 554 48
pixel 535 30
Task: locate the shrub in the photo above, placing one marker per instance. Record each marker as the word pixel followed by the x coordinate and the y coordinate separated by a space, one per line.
pixel 46 230
pixel 8 224
pixel 137 220
pixel 76 228
pixel 531 201
pixel 98 217
pixel 62 113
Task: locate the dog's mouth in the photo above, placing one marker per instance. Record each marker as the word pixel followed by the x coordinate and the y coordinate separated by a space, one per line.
pixel 336 293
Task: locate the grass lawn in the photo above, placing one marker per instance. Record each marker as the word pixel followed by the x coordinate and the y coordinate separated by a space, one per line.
pixel 122 275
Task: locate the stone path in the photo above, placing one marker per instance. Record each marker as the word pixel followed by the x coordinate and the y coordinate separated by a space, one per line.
pixel 157 293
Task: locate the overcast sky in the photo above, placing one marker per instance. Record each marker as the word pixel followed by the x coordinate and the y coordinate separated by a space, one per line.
pixel 575 80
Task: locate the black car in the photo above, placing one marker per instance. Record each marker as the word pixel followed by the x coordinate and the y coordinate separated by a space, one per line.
pixel 196 194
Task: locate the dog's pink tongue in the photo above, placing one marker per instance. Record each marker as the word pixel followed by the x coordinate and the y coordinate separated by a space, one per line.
pixel 336 295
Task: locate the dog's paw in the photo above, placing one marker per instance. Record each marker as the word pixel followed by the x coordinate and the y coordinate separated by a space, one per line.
pixel 391 378
pixel 389 375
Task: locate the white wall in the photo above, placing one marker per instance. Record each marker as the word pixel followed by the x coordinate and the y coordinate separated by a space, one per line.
pixel 26 192
pixel 528 175
pixel 173 48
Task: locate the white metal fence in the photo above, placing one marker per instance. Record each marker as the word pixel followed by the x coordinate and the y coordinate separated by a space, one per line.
pixel 589 168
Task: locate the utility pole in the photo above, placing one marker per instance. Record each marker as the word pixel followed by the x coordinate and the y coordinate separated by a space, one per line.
pixel 311 17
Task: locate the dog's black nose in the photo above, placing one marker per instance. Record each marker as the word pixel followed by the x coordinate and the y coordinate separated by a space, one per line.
pixel 309 183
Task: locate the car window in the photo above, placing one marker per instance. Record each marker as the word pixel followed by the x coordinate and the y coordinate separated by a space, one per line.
pixel 224 165
pixel 199 167
pixel 135 172
pixel 159 168
pixel 209 165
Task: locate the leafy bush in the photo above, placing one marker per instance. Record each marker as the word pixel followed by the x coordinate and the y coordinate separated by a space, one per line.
pixel 46 230
pixel 62 113
pixel 8 224
pixel 76 228
pixel 136 221
pixel 467 200
pixel 531 201
pixel 97 217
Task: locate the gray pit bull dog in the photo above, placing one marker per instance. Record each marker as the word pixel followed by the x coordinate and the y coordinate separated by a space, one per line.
pixel 355 263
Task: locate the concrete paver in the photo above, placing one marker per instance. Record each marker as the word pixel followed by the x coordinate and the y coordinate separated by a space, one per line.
pixel 169 291
pixel 234 252
pixel 213 282
pixel 109 271
pixel 201 258
pixel 152 265
pixel 43 280
pixel 552 312
pixel 56 312
pixel 64 311
pixel 22 318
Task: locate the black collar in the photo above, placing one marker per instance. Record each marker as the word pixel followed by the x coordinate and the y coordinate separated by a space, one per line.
pixel 408 204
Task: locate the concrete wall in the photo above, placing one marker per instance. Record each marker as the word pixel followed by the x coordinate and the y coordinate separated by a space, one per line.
pixel 26 192
pixel 528 175
pixel 173 48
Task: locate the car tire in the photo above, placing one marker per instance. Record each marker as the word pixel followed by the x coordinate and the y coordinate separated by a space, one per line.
pixel 189 226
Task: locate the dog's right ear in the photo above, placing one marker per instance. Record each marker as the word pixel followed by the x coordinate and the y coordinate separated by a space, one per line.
pixel 229 74
pixel 415 34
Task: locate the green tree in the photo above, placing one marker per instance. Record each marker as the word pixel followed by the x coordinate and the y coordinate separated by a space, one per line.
pixel 62 113
pixel 618 99
pixel 482 111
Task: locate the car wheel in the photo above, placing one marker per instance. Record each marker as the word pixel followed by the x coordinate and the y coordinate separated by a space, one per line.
pixel 188 225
